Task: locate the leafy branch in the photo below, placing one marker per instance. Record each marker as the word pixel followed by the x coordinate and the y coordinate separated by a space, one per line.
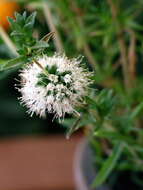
pixel 28 47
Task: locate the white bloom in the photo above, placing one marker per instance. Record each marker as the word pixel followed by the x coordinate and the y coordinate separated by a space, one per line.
pixel 58 89
pixel 67 78
pixel 53 78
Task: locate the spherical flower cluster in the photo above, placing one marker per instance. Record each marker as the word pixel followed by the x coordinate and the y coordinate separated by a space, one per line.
pixel 54 84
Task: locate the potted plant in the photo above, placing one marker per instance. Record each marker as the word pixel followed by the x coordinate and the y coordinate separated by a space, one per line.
pixel 111 158
pixel 111 109
pixel 113 118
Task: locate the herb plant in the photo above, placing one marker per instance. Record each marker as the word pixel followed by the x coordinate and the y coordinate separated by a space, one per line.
pixel 109 34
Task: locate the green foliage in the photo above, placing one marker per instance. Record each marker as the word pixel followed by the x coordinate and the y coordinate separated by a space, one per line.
pixel 102 105
pixel 22 28
pixel 28 47
pixel 113 115
pixel 13 63
pixel 114 123
pixel 108 165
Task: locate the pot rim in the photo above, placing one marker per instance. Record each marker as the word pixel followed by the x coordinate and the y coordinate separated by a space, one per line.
pixel 80 179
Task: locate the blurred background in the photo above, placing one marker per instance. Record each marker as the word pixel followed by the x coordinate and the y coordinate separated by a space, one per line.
pixel 89 28
pixel 83 28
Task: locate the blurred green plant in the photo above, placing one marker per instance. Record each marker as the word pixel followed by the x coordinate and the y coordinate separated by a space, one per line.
pixel 109 34
pixel 27 45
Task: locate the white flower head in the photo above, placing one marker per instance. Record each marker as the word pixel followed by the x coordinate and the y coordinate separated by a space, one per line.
pixel 57 88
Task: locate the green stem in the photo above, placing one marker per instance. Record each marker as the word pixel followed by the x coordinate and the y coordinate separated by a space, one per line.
pixel 86 46
pixel 121 42
pixel 41 67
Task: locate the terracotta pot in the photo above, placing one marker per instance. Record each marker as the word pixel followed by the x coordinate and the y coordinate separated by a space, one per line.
pixel 37 162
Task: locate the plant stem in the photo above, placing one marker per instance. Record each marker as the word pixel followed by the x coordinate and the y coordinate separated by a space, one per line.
pixel 49 20
pixel 8 41
pixel 75 126
pixel 122 44
pixel 41 67
pixel 89 56
pixel 86 47
pixel 132 55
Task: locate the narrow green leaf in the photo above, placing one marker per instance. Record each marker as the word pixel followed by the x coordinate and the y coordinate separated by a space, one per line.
pixel 30 20
pixel 16 33
pixel 13 63
pixel 24 15
pixel 137 110
pixel 14 25
pixel 11 21
pixel 2 61
pixel 113 135
pixel 108 165
pixel 19 17
pixel 40 44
